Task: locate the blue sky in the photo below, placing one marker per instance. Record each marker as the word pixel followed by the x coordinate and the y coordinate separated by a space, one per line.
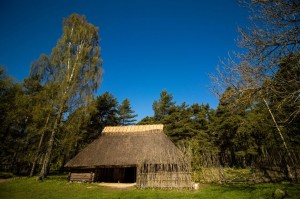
pixel 147 45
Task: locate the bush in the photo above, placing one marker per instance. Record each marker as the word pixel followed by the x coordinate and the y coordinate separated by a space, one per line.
pixel 5 175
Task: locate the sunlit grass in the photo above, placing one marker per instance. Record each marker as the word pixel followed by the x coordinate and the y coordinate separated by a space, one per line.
pixel 58 187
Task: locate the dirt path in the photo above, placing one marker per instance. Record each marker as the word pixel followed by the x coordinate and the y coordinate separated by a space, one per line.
pixel 4 180
pixel 118 185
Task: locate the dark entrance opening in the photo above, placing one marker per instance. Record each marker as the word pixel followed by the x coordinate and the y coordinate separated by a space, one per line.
pixel 130 174
pixel 123 175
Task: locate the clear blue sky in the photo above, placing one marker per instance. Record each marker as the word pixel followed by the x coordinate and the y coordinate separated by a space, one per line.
pixel 147 45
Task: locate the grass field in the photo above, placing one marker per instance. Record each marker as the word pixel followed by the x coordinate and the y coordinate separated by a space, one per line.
pixel 58 187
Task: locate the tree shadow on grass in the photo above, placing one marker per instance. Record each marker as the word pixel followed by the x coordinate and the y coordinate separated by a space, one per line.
pixel 262 190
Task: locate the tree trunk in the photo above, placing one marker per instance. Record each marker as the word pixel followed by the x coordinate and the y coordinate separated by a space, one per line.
pixel 37 155
pixel 64 100
pixel 289 173
pixel 14 160
pixel 47 157
pixel 46 161
pixel 63 163
pixel 38 152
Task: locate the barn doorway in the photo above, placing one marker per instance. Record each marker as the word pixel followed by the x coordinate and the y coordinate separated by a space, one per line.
pixel 120 174
pixel 130 175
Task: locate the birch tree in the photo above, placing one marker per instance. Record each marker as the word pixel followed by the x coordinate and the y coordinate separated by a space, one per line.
pixel 77 67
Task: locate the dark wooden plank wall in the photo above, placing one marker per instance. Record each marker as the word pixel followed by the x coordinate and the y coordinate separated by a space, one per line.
pixel 82 177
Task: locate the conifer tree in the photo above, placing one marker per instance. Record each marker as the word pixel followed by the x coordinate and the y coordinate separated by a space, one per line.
pixel 163 106
pixel 126 114
pixel 105 114
pixel 8 133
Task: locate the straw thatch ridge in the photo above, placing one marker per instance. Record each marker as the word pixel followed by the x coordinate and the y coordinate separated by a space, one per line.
pixel 131 129
pixel 126 149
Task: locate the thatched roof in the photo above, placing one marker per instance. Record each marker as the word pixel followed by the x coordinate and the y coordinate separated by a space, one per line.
pixel 127 146
pixel 132 129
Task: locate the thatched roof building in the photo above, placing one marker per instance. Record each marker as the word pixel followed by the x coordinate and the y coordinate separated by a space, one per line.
pixel 141 153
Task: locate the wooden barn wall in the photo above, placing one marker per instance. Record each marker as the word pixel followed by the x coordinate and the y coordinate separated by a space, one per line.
pixel 81 177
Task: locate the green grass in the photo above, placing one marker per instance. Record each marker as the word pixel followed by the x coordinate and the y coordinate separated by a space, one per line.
pixel 58 187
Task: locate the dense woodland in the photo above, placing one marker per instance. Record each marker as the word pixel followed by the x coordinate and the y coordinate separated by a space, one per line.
pixel 54 113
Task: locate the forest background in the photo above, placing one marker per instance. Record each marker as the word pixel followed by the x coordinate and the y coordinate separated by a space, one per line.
pixel 54 113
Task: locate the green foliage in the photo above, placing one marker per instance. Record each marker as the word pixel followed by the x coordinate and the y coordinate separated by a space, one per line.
pixel 8 91
pixel 42 69
pixel 266 74
pixel 187 126
pixel 105 114
pixel 72 138
pixel 28 112
pixel 225 127
pixel 60 86
pixel 222 175
pixel 126 114
pixel 278 194
pixel 147 120
pixel 76 58
pixel 164 106
pixel 182 122
pixel 6 175
pixel 283 96
pixel 84 125
pixel 77 69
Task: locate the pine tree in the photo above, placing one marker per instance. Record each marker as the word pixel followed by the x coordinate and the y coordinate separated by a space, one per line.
pixel 126 114
pixel 9 133
pixel 225 127
pixel 105 114
pixel 163 106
